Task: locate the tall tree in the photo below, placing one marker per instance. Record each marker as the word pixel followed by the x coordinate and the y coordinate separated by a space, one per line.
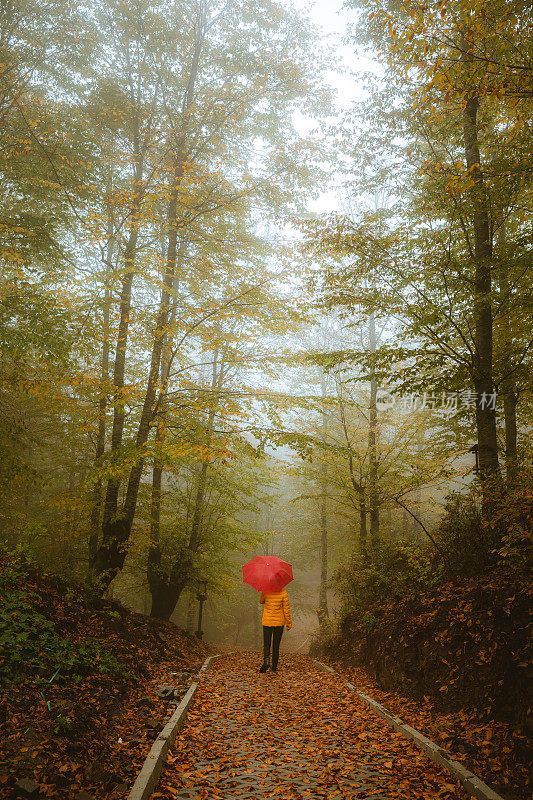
pixel 197 124
pixel 450 107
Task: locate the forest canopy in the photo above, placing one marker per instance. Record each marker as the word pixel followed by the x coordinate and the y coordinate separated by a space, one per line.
pixel 243 313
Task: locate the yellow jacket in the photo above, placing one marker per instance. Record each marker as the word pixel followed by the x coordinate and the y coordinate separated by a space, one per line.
pixel 277 610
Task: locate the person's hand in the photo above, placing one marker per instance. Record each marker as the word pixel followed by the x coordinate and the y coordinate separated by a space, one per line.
pixel 289 627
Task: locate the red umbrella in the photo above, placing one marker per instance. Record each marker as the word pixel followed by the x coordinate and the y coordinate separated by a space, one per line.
pixel 267 573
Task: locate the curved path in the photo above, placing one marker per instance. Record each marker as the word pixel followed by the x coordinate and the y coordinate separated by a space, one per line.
pixel 300 733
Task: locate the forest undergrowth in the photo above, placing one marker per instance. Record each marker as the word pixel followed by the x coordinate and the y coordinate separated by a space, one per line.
pixel 80 680
pixel 454 663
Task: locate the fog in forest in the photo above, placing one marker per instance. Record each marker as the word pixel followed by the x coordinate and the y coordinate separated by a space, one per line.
pixel 266 289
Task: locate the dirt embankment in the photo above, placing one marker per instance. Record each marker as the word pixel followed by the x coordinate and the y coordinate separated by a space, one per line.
pixel 79 715
pixel 456 664
pixel 466 644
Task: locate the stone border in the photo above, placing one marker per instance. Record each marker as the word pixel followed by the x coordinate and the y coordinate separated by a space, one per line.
pixel 148 777
pixel 470 782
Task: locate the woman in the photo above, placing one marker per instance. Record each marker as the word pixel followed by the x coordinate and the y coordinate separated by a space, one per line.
pixel 276 614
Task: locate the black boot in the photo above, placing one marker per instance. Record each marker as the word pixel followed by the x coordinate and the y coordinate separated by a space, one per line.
pixel 264 667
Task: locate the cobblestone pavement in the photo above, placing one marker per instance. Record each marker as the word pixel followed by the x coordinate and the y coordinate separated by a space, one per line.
pixel 299 733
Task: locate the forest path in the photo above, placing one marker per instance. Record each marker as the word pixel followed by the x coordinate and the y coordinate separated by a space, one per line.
pixel 300 733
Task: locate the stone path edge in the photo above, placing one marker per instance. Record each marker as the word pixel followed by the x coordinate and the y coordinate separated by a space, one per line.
pixel 470 782
pixel 148 777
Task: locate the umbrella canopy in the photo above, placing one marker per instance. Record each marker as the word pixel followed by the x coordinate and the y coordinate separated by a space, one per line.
pixel 267 573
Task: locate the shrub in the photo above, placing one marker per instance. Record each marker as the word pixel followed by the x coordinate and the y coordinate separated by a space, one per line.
pixel 30 644
pixel 395 570
pixel 368 621
pixel 467 543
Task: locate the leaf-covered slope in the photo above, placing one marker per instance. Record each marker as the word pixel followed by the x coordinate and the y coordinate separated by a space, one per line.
pixel 454 663
pixel 465 643
pixel 79 705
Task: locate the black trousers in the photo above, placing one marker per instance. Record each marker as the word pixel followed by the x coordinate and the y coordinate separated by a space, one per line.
pixel 272 633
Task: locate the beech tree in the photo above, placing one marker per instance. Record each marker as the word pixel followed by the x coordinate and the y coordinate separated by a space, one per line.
pixel 198 125
pixel 434 249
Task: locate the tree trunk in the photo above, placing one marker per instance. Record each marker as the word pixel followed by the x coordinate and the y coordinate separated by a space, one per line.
pixel 163 603
pixel 157 473
pixel 162 587
pixel 482 367
pixel 388 521
pixel 159 583
pixel 96 511
pixel 240 622
pixel 358 488
pixel 417 498
pixel 111 554
pixel 323 613
pixel 180 572
pixel 363 538
pixel 510 402
pixel 373 494
pixel 119 371
pixel 508 383
pixel 194 538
